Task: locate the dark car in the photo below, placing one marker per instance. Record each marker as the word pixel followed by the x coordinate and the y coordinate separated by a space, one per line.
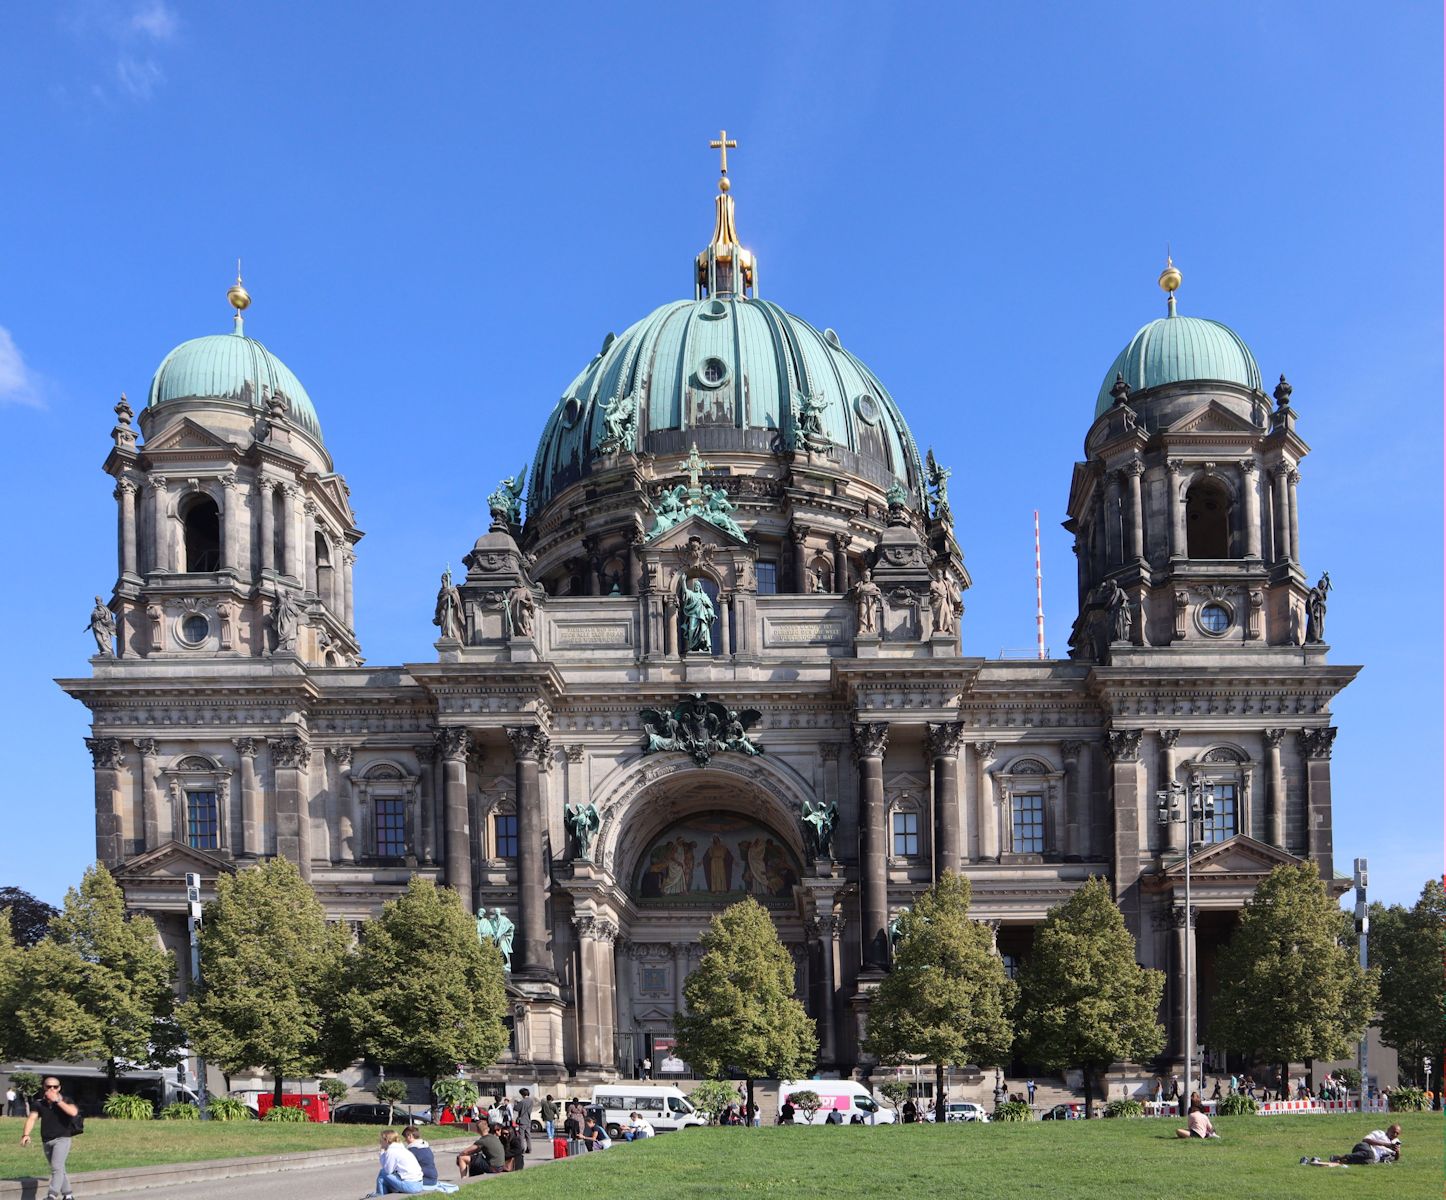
pixel 376 1114
pixel 1064 1112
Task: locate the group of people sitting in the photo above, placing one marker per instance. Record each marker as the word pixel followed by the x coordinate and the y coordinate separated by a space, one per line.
pixel 408 1165
pixel 500 1146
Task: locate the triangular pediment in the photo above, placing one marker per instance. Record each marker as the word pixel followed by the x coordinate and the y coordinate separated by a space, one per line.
pixel 1212 417
pixel 187 435
pixel 693 526
pixel 173 860
pixel 1237 856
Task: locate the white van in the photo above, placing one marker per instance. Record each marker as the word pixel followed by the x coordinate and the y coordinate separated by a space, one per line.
pixel 663 1106
pixel 842 1096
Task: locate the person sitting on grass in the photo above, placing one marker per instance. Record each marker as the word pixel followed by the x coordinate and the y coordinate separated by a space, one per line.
pixel 1378 1146
pixel 638 1127
pixel 400 1171
pixel 594 1136
pixel 1197 1123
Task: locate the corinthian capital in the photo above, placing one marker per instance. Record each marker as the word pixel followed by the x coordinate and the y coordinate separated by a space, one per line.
pixel 454 742
pixel 945 738
pixel 105 753
pixel 529 741
pixel 871 738
pixel 291 752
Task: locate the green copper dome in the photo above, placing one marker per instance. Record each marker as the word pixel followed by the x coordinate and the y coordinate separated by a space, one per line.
pixel 231 366
pixel 729 373
pixel 1178 349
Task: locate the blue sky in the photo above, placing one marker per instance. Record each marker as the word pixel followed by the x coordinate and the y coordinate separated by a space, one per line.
pixel 443 208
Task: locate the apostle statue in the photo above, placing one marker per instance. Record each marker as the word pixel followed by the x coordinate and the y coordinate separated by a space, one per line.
pixel 285 623
pixel 1315 610
pixel 698 618
pixel 868 599
pixel 584 821
pixel 448 614
pixel 941 602
pixel 102 627
pixel 522 611
pixel 502 931
pixel 1118 606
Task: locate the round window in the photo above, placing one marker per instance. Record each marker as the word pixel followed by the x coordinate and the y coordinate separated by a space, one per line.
pixel 1214 618
pixel 194 628
pixel 867 408
pixel 713 372
pixel 571 410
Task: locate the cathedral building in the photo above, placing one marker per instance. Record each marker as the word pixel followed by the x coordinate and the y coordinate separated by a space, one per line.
pixel 720 656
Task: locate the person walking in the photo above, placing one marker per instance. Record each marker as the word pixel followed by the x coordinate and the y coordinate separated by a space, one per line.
pixel 58 1119
pixel 549 1116
pixel 1030 1085
pixel 647 1068
pixel 524 1118
pixel 11 1107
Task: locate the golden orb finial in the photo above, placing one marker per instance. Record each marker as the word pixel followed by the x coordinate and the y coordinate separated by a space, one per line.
pixel 1170 276
pixel 238 297
pixel 723 184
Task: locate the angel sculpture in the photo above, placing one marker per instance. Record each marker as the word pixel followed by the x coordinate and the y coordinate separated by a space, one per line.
pixel 661 729
pixel 505 503
pixel 584 821
pixel 718 510
pixel 818 825
pixel 671 508
pixel 736 735
pixel 620 422
pixel 939 485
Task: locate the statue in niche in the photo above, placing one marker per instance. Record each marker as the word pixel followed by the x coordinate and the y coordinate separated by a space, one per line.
pixel 522 612
pixel 505 503
pixel 1118 606
pixel 868 600
pixel 819 821
pixel 448 614
pixel 1315 609
pixel 584 821
pixel 941 603
pixel 285 623
pixel 699 616
pixel 620 423
pixel 102 628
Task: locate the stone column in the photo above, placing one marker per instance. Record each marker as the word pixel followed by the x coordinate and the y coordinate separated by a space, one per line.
pixel 823 931
pixel 1183 924
pixel 944 742
pixel 1294 481
pixel 1123 746
pixel 426 801
pixel 1279 475
pixel 1174 469
pixel 841 542
pixel 150 795
pixel 589 993
pixel 160 533
pixel 252 815
pixel 266 491
pixel 870 740
pixel 348 559
pixel 1175 830
pixel 799 534
pixel 670 626
pixel 531 746
pixel 1275 783
pixel 1133 471
pixel 125 494
pixel 606 970
pixel 312 582
pixel 291 757
pixel 454 743
pixel 348 847
pixel 1315 745
pixel 231 526
pixel 725 633
pixel 1075 805
pixel 108 758
pixel 1114 550
pixel 986 815
pixel 1250 485
pixel 291 549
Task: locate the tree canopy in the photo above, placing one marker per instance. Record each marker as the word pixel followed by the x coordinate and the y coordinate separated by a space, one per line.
pixel 423 990
pixel 271 972
pixel 29 916
pixel 946 999
pixel 1084 999
pixel 1408 947
pixel 1291 987
pixel 742 1014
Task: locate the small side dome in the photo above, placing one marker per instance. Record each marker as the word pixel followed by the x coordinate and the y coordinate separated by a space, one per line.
pixel 1179 349
pixel 235 368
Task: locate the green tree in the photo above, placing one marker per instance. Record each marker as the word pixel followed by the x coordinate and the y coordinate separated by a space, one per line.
pixel 424 991
pixel 1084 1000
pixel 271 975
pixel 11 958
pixel 895 1091
pixel 98 985
pixel 711 1097
pixel 1408 946
pixel 392 1092
pixel 29 917
pixel 1291 987
pixel 742 1014
pixel 946 1000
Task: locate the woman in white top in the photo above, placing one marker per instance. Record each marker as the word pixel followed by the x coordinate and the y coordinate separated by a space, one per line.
pixel 400 1170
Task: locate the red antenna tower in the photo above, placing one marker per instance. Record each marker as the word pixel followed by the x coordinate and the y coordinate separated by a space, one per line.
pixel 1038 590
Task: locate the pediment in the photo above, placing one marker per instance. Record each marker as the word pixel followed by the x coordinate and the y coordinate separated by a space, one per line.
pixel 173 860
pixel 1237 856
pixel 1212 417
pixel 336 492
pixel 676 538
pixel 186 435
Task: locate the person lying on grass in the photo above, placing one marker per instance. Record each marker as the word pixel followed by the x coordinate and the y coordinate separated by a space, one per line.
pixel 1378 1146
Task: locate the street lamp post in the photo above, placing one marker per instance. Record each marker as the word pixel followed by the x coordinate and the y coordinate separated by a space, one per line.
pixel 1177 802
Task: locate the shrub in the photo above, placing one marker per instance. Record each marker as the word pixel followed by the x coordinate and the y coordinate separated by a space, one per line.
pixel 26 1083
pixel 181 1110
pixel 456 1094
pixel 1235 1106
pixel 120 1106
pixel 1013 1110
pixel 1408 1099
pixel 895 1091
pixel 280 1112
pixel 1124 1108
pixel 809 1102
pixel 335 1089
pixel 227 1108
pixel 712 1096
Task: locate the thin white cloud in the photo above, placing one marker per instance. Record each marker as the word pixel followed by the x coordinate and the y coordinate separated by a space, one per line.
pixel 18 383
pixel 138 77
pixel 155 20
pixel 135 33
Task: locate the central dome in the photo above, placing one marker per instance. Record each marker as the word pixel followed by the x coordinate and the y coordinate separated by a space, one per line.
pixel 1176 349
pixel 727 373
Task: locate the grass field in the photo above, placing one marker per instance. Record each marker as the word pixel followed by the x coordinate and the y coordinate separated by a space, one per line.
pixel 107 1144
pixel 1071 1160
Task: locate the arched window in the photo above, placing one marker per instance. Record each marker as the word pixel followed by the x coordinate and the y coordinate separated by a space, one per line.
pixel 202 521
pixel 323 569
pixel 1207 520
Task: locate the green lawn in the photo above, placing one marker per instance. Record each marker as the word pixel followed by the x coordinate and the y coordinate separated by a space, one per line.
pixel 1077 1160
pixel 106 1144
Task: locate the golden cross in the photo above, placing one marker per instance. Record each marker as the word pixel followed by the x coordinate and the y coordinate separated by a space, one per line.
pixel 696 466
pixel 723 143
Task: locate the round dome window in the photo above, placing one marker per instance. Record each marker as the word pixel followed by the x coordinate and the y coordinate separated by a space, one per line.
pixel 1214 619
pixel 867 408
pixel 713 372
pixel 571 410
pixel 194 629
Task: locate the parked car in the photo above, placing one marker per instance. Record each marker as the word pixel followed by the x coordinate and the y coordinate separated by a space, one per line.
pixel 376 1114
pixel 1064 1112
pixel 960 1110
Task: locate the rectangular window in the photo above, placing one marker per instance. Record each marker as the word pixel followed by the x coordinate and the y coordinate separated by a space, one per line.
pixel 203 821
pixel 1011 966
pixel 505 826
pixel 391 827
pixel 906 834
pixel 1028 825
pixel 1222 824
pixel 768 579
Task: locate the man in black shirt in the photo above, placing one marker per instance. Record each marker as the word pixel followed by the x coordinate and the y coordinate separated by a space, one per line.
pixel 56 1115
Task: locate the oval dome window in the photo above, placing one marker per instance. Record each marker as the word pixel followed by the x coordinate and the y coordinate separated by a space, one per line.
pixel 713 372
pixel 867 408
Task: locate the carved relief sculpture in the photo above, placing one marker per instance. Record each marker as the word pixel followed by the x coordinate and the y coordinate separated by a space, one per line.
pixel 700 728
